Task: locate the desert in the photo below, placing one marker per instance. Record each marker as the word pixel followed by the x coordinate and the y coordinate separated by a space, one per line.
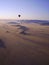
pixel 24 43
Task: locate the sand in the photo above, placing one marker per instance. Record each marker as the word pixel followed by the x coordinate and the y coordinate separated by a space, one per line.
pixel 24 44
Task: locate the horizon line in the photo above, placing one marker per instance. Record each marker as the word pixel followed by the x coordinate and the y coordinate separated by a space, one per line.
pixel 22 19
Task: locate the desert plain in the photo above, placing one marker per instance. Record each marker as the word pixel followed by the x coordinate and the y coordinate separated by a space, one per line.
pixel 24 43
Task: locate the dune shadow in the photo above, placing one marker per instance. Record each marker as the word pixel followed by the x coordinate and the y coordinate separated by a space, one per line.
pixel 47 23
pixel 24 33
pixel 7 32
pixel 12 23
pixel 24 29
pixel 2 44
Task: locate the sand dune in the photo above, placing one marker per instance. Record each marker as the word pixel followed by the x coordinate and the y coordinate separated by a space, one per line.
pixel 24 44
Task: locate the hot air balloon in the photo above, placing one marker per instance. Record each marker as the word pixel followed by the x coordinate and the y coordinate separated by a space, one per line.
pixel 19 15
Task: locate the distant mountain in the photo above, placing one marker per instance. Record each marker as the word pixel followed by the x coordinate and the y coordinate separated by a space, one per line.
pixel 41 22
pixel 35 21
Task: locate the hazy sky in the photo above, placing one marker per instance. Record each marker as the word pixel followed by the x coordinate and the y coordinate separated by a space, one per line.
pixel 29 9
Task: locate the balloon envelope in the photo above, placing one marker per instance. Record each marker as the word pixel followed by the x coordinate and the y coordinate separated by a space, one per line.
pixel 19 15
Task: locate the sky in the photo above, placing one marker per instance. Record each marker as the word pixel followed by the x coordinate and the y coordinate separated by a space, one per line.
pixel 28 9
